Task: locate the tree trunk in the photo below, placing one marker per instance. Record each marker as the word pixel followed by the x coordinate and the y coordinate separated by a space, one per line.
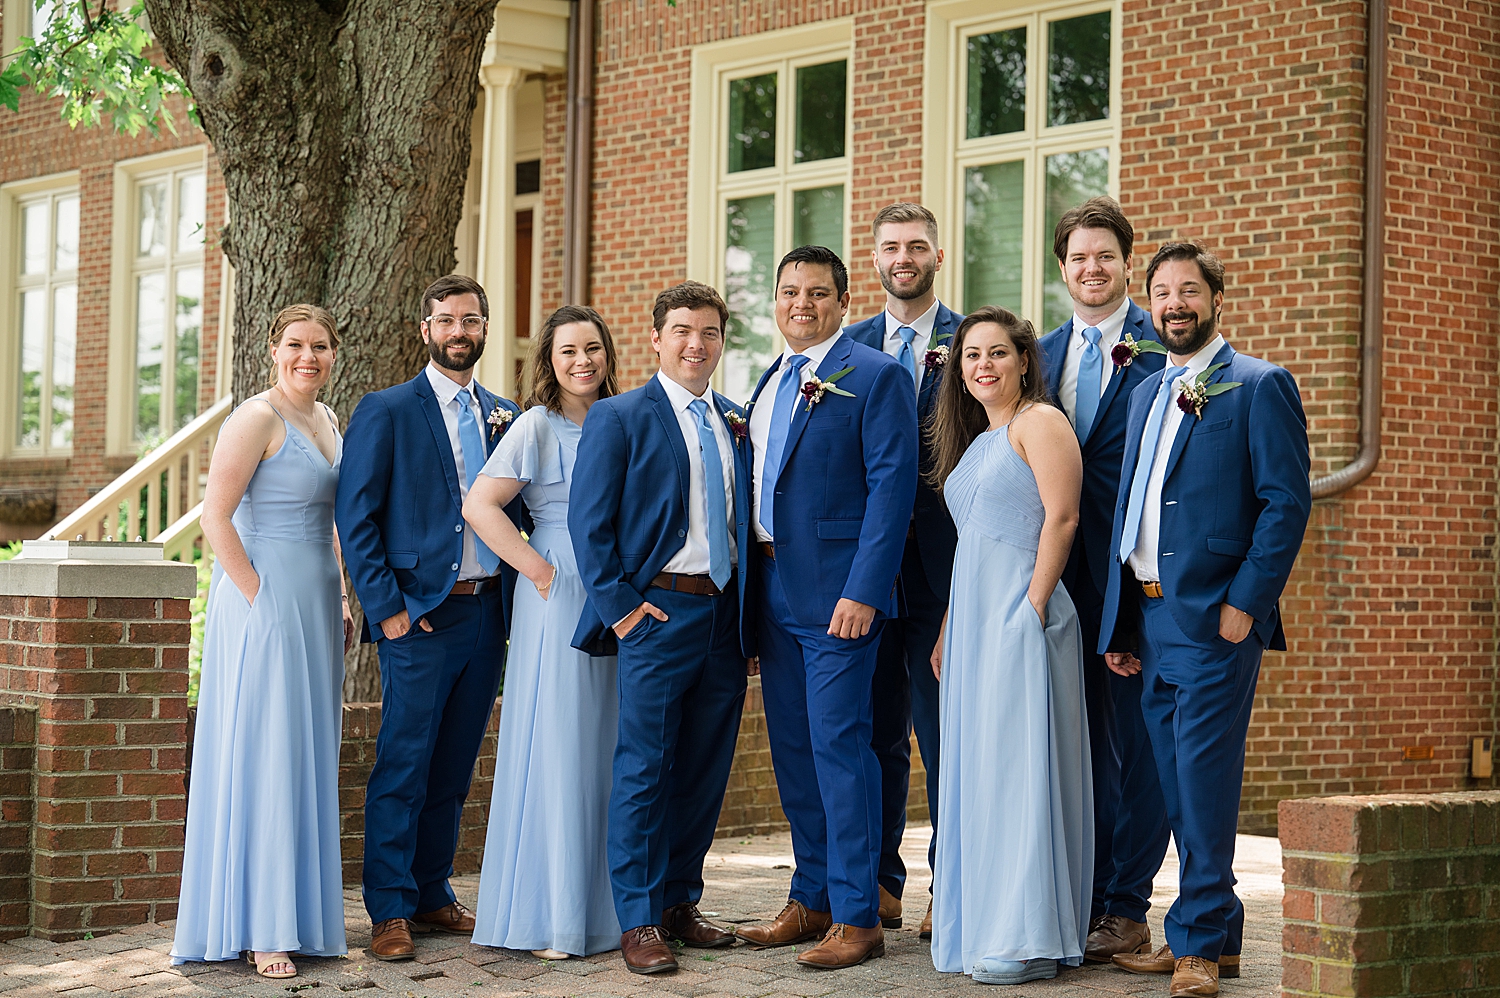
pixel 342 130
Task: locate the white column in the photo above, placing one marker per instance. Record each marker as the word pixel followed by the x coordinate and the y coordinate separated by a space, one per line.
pixel 496 269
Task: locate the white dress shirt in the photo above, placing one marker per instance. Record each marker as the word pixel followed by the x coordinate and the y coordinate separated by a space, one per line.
pixel 450 395
pixel 1110 334
pixel 693 558
pixel 1143 560
pixel 765 405
pixel 920 343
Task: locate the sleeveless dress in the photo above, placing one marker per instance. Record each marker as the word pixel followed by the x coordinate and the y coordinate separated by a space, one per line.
pixel 1014 874
pixel 261 868
pixel 544 883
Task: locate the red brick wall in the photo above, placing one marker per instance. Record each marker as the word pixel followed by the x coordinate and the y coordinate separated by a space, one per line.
pixel 17 808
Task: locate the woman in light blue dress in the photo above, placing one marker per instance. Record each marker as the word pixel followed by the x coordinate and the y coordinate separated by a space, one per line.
pixel 1014 871
pixel 261 870
pixel 544 884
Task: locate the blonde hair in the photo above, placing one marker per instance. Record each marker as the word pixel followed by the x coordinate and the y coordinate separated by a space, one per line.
pixel 301 313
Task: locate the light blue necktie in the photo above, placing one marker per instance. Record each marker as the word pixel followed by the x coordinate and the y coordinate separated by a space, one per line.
pixel 787 394
pixel 473 447
pixel 905 356
pixel 1143 462
pixel 713 487
pixel 1090 368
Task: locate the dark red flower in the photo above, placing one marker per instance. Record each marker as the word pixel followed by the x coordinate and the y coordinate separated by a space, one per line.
pixel 1186 404
pixel 933 359
pixel 1122 355
pixel 809 390
pixel 740 430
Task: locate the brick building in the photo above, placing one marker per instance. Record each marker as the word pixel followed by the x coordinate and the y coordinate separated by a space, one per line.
pixel 725 133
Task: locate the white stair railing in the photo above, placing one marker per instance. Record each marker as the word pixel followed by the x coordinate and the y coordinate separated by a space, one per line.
pixel 159 498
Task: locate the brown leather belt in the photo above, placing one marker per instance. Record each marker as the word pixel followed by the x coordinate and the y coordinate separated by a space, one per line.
pixel 475 587
pixel 698 585
pixel 1152 589
pixel 767 549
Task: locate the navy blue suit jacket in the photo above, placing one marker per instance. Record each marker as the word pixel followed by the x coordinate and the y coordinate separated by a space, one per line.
pixel 628 506
pixel 1103 452
pixel 399 509
pixel 1235 503
pixel 845 490
pixel 936 535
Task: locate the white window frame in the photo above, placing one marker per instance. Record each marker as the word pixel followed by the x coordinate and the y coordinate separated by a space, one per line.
pixel 947 153
pixel 13 197
pixel 129 174
pixel 710 185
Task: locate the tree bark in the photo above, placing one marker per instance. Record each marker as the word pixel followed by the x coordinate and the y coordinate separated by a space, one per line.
pixel 342 130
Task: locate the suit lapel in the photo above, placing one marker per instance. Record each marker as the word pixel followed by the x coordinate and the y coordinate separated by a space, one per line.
pixel 487 403
pixel 1054 358
pixel 943 327
pixel 741 471
pixel 833 362
pixel 1117 374
pixel 673 430
pixel 433 410
pixel 1189 421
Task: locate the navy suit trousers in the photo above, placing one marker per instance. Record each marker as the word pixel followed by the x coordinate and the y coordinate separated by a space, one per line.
pixel 1196 701
pixel 437 688
pixel 682 690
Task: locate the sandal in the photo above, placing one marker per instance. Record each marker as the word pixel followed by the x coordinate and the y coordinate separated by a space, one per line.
pixel 264 964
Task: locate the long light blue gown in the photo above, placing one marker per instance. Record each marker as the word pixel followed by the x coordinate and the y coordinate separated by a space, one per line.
pixel 261 868
pixel 1014 875
pixel 544 883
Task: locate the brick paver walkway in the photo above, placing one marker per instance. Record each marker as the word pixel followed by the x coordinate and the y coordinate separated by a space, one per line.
pixel 746 880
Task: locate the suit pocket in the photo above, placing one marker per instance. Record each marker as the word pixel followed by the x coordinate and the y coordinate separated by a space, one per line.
pixel 839 530
pixel 401 559
pixel 1222 424
pixel 1234 547
pixel 827 422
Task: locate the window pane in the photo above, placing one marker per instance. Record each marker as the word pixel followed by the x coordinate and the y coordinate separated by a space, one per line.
pixel 65 251
pixel 190 194
pixel 994 208
pixel 1072 178
pixel 34 239
pixel 752 123
pixel 33 349
pixel 821 111
pixel 150 331
pixel 153 212
pixel 189 329
pixel 64 327
pixel 749 259
pixel 997 83
pixel 1078 69
pixel 818 218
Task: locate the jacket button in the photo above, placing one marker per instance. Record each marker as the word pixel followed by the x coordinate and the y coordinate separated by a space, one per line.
pixel 682 533
pixel 458 528
pixel 454 567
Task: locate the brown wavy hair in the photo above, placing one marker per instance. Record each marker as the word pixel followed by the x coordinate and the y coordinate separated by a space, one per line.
pixel 545 391
pixel 959 417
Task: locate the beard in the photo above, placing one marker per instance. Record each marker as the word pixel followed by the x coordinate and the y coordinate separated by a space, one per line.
pixel 925 277
pixel 442 356
pixel 1192 339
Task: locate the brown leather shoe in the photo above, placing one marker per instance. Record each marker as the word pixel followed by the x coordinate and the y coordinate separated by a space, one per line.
pixel 1111 934
pixel 1162 962
pixel 926 931
pixel 391 940
pixel 646 950
pixel 794 924
pixel 685 924
pixel 890 910
pixel 1194 975
pixel 844 946
pixel 453 918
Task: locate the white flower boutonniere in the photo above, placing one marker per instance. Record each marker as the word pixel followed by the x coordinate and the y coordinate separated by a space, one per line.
pixel 936 357
pixel 1128 349
pixel 737 426
pixel 499 418
pixel 817 387
pixel 1195 394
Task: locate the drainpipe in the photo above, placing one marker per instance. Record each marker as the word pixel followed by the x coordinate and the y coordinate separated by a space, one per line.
pixel 1373 327
pixel 578 163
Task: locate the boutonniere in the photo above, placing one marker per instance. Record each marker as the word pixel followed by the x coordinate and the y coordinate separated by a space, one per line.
pixel 936 357
pixel 817 387
pixel 1127 350
pixel 737 426
pixel 499 418
pixel 1195 394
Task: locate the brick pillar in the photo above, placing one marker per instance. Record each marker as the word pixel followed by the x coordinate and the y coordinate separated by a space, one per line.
pixel 17 760
pixel 95 638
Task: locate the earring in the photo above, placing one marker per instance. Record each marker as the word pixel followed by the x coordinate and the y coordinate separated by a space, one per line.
pixel 1023 380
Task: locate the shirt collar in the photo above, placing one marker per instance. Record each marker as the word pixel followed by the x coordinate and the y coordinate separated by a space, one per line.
pixel 680 397
pixel 445 388
pixel 814 355
pixel 1198 362
pixel 1109 329
pixel 922 324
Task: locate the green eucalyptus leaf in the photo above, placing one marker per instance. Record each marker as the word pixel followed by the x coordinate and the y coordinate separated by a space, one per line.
pixel 1149 346
pixel 1221 387
pixel 836 375
pixel 837 390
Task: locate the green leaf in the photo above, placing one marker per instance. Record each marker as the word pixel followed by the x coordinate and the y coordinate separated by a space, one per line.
pixel 1150 346
pixel 828 386
pixel 11 82
pixel 1207 373
pixel 1221 387
pixel 836 375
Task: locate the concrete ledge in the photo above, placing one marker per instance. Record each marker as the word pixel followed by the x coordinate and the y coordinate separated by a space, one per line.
pixel 141 579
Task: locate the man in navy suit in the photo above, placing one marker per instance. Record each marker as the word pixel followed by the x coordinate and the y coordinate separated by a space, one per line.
pixel 915 329
pixel 1092 243
pixel 433 599
pixel 660 518
pixel 1213 502
pixel 835 448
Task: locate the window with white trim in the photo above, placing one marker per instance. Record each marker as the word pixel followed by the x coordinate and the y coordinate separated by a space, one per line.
pixel 46 316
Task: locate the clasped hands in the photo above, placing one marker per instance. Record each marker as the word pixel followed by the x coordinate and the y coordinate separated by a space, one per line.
pixel 1234 627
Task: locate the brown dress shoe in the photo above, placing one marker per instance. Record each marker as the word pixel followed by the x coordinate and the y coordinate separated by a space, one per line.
pixel 1111 934
pixel 1162 962
pixel 794 924
pixel 685 924
pixel 646 950
pixel 844 946
pixel 391 940
pixel 453 918
pixel 926 931
pixel 1194 975
pixel 890 910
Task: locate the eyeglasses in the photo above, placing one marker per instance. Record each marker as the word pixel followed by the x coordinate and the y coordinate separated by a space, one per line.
pixel 446 323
